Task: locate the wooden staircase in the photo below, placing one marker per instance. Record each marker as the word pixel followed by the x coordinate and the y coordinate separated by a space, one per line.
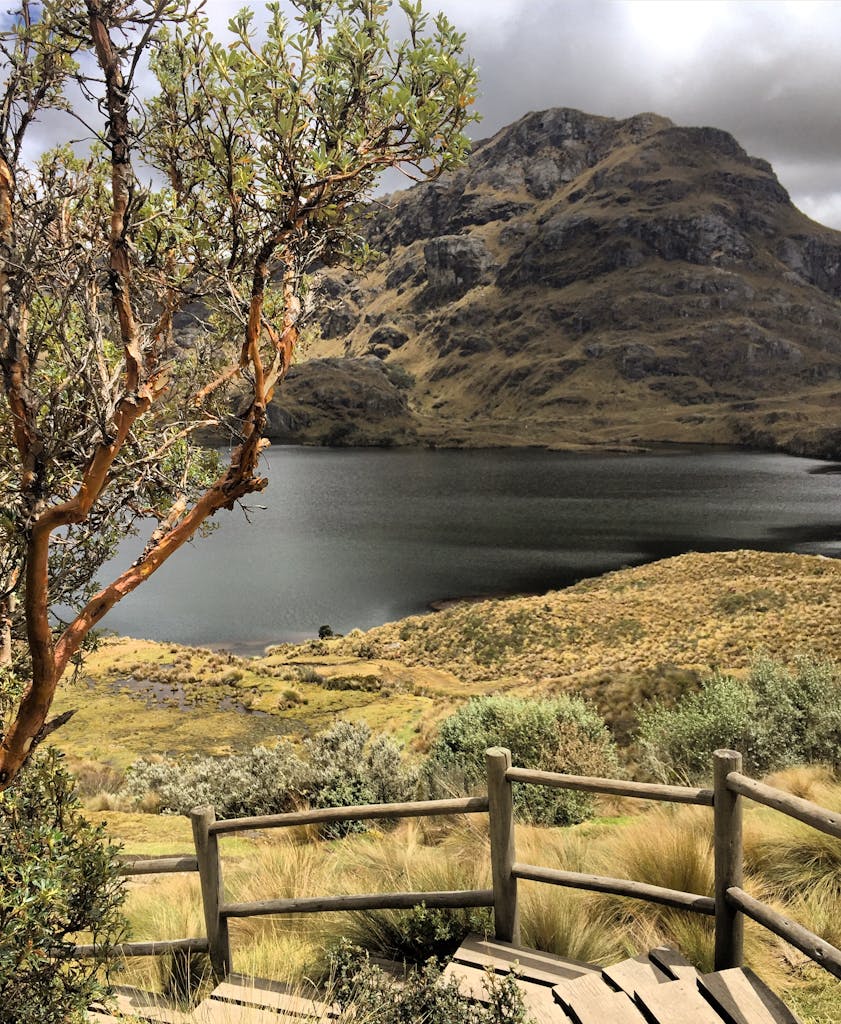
pixel 660 988
pixel 237 1000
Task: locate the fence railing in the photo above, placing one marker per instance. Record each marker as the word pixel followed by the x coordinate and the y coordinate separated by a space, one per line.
pixel 728 906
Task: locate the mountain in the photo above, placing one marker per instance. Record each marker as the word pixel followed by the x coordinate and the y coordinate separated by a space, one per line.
pixel 583 280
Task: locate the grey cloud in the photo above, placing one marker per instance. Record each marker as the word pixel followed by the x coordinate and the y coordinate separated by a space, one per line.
pixel 762 71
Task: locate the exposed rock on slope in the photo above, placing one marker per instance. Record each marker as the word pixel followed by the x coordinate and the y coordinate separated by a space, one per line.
pixel 587 280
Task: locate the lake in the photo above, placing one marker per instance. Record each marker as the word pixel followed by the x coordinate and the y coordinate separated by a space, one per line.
pixel 358 537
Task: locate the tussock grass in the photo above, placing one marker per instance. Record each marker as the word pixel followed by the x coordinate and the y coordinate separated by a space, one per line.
pixel 669 846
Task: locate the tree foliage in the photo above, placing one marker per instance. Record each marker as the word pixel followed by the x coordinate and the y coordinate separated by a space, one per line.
pixel 58 882
pixel 258 153
pixel 776 717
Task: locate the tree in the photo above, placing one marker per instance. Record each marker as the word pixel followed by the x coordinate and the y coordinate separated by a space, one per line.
pixel 260 153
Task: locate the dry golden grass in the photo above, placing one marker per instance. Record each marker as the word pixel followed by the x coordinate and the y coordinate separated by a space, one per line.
pixel 667 846
pixel 621 640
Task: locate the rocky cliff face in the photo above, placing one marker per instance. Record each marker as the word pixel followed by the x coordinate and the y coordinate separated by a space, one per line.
pixel 590 281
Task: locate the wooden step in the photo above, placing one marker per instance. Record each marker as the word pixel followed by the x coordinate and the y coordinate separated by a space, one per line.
pixel 261 993
pixel 213 1011
pixel 590 1000
pixel 531 964
pixel 634 974
pixel 147 1006
pixel 672 963
pixel 743 998
pixel 676 1002
pixel 538 999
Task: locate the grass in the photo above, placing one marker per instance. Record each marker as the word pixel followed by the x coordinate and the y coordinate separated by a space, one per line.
pixel 667 846
pixel 620 639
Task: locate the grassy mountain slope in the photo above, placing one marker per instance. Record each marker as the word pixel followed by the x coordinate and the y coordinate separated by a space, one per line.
pixel 584 281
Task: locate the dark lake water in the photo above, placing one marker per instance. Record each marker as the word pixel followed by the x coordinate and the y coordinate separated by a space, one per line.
pixel 355 538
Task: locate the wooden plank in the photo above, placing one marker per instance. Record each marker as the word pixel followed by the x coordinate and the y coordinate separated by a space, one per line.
pixel 211 1011
pixel 362 812
pixel 147 1006
pixel 617 887
pixel 742 998
pixel 532 965
pixel 613 787
pixel 676 1002
pixel 589 1000
pixel 672 963
pixel 821 951
pixel 538 1000
pixel 804 810
pixel 261 993
pixel 637 973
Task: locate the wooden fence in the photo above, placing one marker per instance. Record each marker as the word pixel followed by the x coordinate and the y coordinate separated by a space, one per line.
pixel 728 906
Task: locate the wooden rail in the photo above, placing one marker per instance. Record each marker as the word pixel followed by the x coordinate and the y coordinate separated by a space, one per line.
pixel 144 865
pixel 822 952
pixel 617 887
pixel 158 865
pixel 795 807
pixel 206 832
pixel 612 787
pixel 361 812
pixel 374 901
pixel 728 905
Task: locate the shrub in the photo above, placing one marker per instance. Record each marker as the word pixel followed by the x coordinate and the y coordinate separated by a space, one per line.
pixel 58 877
pixel 776 718
pixel 421 997
pixel 564 734
pixel 345 765
pixel 263 781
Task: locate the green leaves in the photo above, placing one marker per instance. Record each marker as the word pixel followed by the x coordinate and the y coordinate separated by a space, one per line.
pixel 58 877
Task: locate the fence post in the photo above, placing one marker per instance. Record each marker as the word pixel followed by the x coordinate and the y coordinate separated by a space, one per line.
pixel 501 814
pixel 210 874
pixel 727 810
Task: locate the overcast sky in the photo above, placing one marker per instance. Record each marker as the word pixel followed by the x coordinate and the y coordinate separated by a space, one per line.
pixel 769 72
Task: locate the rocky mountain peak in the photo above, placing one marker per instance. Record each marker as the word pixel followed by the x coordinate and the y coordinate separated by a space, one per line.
pixel 586 279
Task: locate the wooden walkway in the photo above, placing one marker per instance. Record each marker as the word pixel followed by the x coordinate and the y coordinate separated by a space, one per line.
pixel 661 988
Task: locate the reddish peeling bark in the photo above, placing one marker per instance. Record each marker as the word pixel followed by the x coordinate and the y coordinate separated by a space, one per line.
pixel 49 658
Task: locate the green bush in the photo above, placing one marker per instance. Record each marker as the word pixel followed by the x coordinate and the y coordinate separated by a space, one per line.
pixel 58 878
pixel 344 765
pixel 263 781
pixel 348 765
pixel 422 998
pixel 776 718
pixel 564 734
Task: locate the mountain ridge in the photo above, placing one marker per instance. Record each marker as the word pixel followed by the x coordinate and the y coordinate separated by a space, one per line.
pixel 583 280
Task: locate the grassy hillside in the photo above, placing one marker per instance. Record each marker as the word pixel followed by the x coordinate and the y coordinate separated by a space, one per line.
pixel 620 639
